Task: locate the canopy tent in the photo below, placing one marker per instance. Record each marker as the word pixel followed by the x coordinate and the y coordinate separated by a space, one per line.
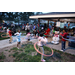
pixel 55 16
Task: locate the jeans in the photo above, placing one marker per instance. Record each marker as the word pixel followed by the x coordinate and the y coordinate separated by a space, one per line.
pixel 63 45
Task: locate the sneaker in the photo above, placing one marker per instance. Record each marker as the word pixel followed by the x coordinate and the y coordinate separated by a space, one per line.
pixel 61 50
pixel 43 60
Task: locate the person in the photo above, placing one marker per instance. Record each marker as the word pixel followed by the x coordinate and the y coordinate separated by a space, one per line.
pixel 41 41
pixel 18 38
pixel 7 31
pixel 45 26
pixel 53 31
pixel 64 36
pixel 50 27
pixel 28 36
pixel 34 30
pixel 27 28
pixel 13 30
pixel 10 35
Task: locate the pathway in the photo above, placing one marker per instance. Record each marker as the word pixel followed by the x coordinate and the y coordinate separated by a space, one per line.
pixel 5 43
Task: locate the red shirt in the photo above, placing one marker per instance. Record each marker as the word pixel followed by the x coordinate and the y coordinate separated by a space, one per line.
pixel 10 33
pixel 64 35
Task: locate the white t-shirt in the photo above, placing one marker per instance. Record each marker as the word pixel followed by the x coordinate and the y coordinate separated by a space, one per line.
pixel 7 30
pixel 27 27
pixel 18 36
pixel 41 41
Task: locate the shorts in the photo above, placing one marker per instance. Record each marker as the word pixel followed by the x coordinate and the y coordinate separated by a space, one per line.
pixel 18 40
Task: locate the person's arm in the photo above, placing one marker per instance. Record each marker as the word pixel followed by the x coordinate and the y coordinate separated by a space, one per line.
pixel 44 40
pixel 62 34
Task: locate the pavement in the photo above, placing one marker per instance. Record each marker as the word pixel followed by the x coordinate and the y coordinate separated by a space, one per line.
pixel 5 43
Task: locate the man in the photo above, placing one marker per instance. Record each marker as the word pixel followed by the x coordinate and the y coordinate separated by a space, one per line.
pixel 64 36
pixel 35 30
pixel 10 34
pixel 27 28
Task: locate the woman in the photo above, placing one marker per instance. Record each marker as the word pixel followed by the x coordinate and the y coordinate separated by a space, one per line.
pixel 27 28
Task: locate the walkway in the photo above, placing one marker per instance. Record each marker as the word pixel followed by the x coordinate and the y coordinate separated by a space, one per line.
pixel 5 43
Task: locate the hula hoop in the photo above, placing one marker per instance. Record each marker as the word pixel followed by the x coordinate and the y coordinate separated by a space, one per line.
pixel 42 53
pixel 4 36
pixel 68 39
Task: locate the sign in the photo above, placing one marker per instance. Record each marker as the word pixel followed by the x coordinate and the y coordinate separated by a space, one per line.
pixel 57 24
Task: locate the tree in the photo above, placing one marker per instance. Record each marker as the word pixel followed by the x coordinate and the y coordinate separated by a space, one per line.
pixel 17 16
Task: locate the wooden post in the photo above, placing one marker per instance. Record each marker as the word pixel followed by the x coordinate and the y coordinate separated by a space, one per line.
pixel 38 21
pixel 48 22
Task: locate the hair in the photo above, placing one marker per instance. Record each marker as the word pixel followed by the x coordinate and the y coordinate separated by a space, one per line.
pixel 10 29
pixel 41 34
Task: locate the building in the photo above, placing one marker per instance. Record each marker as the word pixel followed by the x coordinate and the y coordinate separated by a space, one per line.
pixel 68 17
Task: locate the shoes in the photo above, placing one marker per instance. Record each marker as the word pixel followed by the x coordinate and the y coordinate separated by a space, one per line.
pixel 61 50
pixel 43 60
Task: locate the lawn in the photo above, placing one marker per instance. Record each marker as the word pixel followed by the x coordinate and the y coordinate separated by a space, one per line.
pixel 27 53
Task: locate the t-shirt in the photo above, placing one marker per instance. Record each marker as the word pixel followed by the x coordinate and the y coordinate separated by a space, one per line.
pixel 10 33
pixel 27 27
pixel 18 36
pixel 41 41
pixel 64 35
pixel 7 30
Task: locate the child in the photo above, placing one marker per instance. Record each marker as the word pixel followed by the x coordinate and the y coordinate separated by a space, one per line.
pixel 28 36
pixel 64 35
pixel 41 41
pixel 7 31
pixel 10 35
pixel 18 38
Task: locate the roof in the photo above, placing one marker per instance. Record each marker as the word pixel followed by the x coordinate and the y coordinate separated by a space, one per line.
pixel 55 15
pixel 61 13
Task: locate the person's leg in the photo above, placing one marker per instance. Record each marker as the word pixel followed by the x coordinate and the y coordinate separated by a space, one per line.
pixel 17 44
pixel 38 49
pixel 26 31
pixel 10 39
pixel 42 50
pixel 62 45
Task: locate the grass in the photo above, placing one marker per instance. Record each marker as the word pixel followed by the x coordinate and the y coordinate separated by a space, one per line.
pixel 2 56
pixel 25 55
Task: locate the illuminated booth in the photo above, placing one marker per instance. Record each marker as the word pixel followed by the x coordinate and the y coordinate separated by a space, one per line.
pixel 61 18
